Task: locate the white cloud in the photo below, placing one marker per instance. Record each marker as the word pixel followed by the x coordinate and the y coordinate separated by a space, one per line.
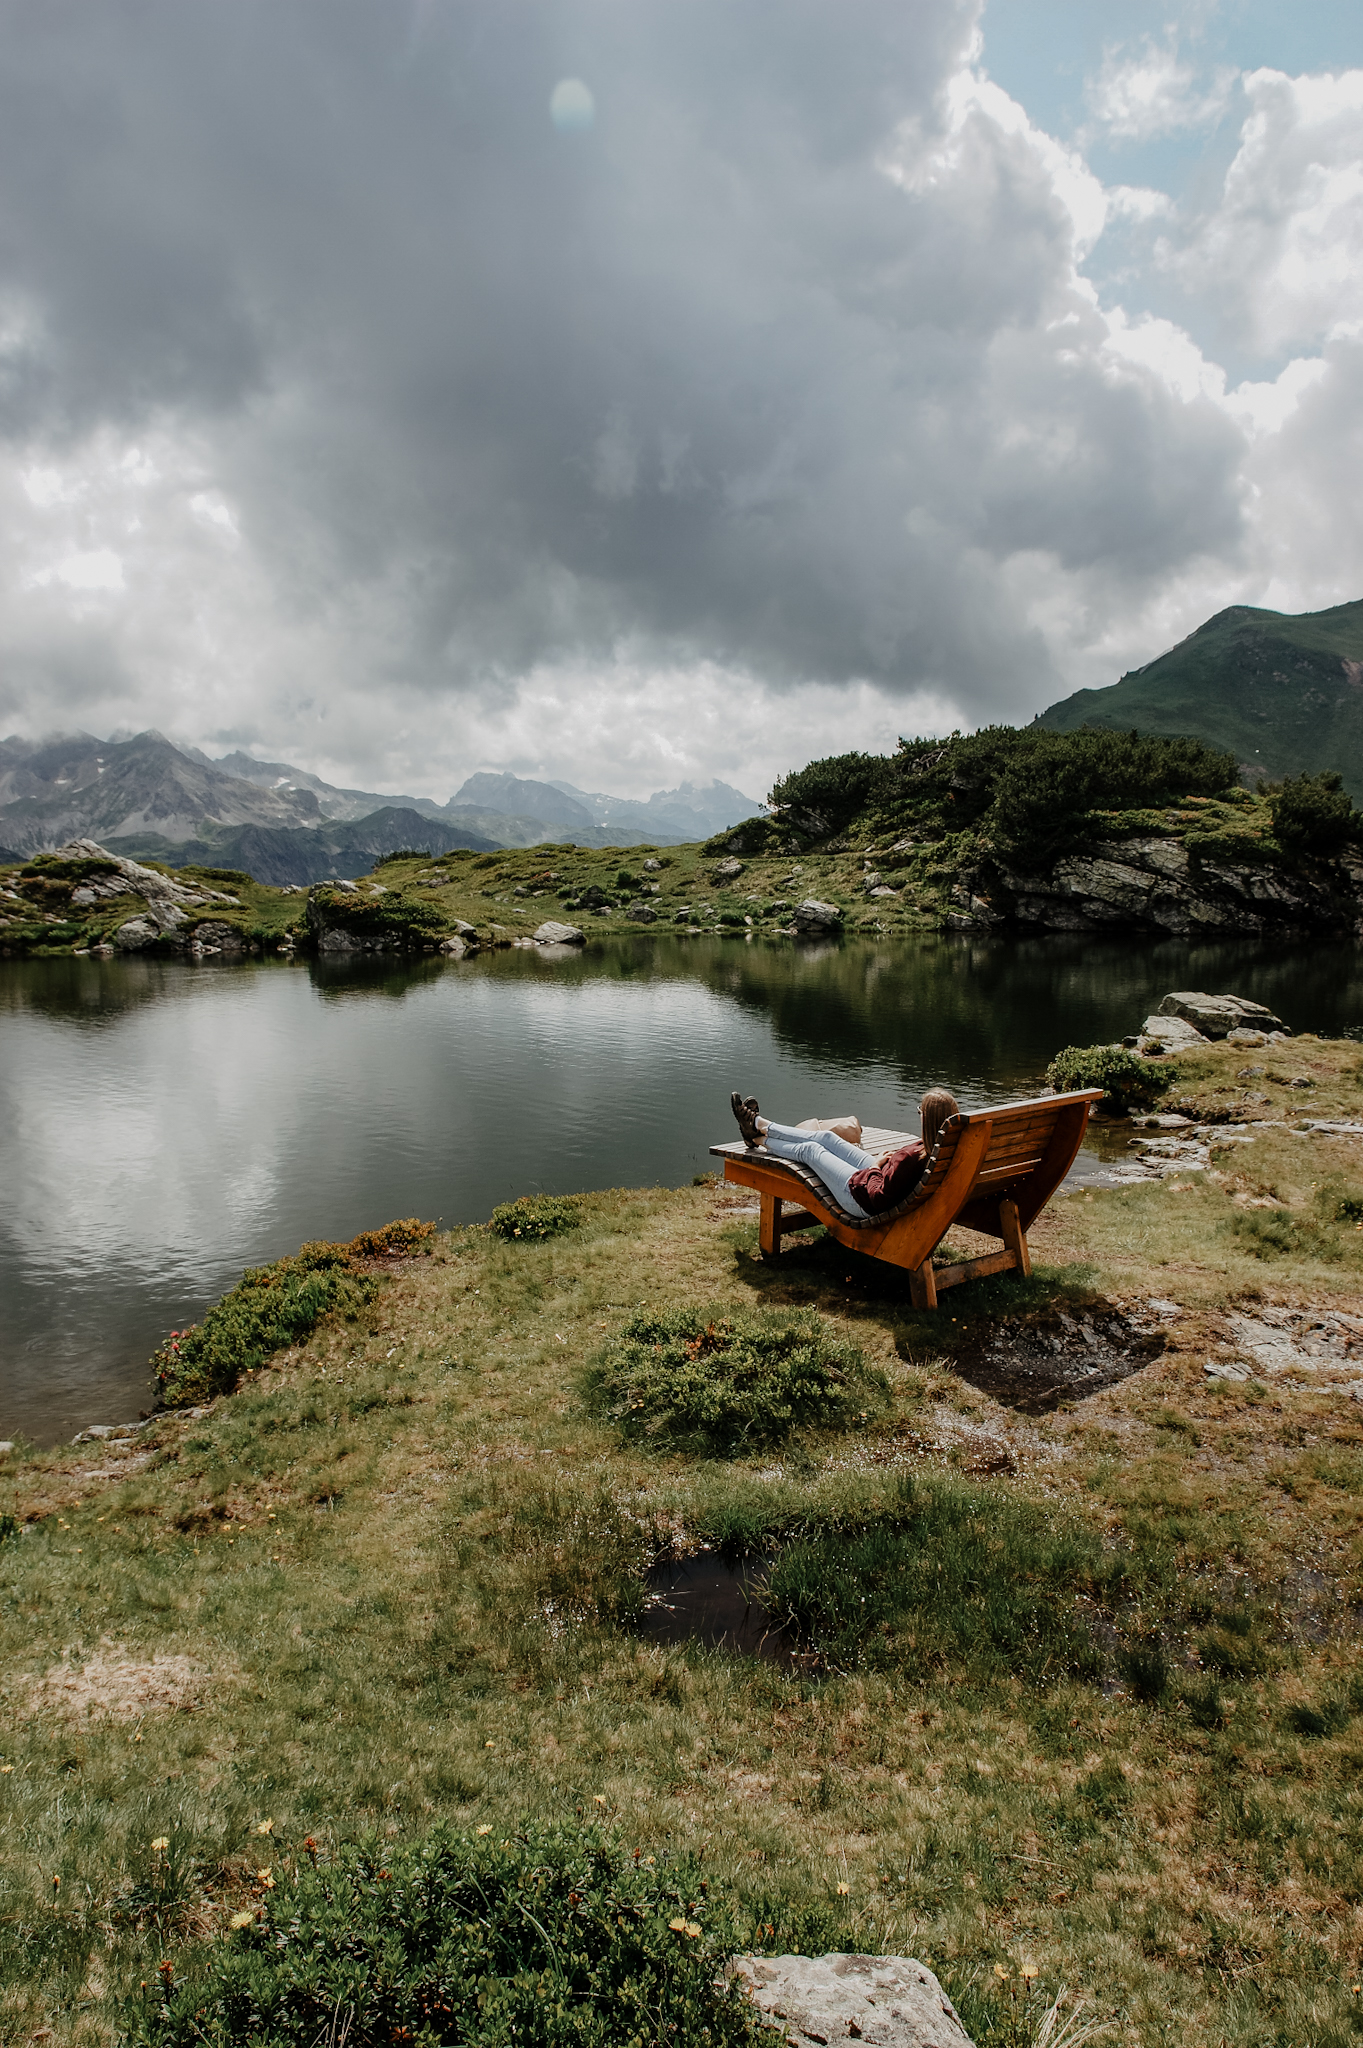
pixel 1283 248
pixel 1152 91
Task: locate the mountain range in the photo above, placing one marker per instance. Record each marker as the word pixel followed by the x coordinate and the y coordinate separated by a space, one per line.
pixel 1283 691
pixel 151 799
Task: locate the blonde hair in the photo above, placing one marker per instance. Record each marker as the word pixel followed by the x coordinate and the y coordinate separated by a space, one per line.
pixel 938 1106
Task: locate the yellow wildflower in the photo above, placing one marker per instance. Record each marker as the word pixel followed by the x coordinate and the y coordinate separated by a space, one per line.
pixel 264 1877
pixel 486 1828
pixel 1029 1971
pixel 693 1928
pixel 843 1890
pixel 598 1798
pixel 160 1842
pixel 240 1920
pixel 677 1926
pixel 264 1827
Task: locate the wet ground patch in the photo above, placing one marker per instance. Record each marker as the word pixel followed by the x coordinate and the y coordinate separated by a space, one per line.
pixel 716 1601
pixel 1043 1360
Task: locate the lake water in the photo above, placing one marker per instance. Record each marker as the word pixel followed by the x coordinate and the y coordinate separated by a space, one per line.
pixel 166 1125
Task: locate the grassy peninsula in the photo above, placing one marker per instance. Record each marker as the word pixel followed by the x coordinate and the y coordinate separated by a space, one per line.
pixel 1078 1685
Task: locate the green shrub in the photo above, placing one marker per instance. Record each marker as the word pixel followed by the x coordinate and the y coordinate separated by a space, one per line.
pixel 557 1935
pixel 833 789
pixel 275 1306
pixel 9 1527
pixel 1126 1080
pixel 626 879
pixel 536 1216
pixel 726 1384
pixel 956 1576
pixel 1314 814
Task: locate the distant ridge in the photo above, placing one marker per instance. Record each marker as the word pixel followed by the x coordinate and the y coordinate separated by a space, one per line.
pixel 1283 691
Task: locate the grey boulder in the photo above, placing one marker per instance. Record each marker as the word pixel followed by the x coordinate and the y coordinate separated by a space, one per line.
pixel 813 916
pixel 728 871
pixel 1214 1016
pixel 135 934
pixel 890 2001
pixel 642 913
pixel 1172 1031
pixel 552 933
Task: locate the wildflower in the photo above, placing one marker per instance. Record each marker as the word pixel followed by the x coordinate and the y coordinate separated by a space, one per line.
pixel 489 1745
pixel 843 1890
pixel 5 1770
pixel 1000 1972
pixel 56 1886
pixel 598 1799
pixel 263 1877
pixel 160 1842
pixel 1029 1972
pixel 486 1828
pixel 693 1928
pixel 677 1926
pixel 311 1846
pixel 264 1827
pixel 167 1970
pixel 240 1920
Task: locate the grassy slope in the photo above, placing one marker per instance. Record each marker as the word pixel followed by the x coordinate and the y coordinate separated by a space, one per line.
pixel 404 1564
pixel 1270 686
pixel 39 918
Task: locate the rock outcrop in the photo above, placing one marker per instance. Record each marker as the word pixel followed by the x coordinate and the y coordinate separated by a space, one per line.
pixel 889 2001
pixel 1158 884
pixel 1217 1016
pixel 552 933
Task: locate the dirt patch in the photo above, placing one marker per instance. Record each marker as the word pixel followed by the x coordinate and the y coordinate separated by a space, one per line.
pixel 119 1688
pixel 1308 1344
pixel 1037 1363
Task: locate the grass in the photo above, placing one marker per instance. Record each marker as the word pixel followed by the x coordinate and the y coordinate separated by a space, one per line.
pixel 1101 1716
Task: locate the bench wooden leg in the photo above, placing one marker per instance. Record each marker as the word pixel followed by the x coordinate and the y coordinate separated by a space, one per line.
pixel 923 1285
pixel 769 1225
pixel 1015 1237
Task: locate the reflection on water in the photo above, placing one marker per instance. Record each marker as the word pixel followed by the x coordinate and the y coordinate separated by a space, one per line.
pixel 167 1125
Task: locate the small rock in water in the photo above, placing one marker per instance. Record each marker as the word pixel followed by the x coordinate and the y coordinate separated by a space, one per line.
pixel 890 2001
pixel 813 916
pixel 552 933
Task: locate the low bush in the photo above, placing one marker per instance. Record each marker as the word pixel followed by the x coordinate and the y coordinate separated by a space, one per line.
pixel 1314 814
pixel 536 1216
pixel 275 1306
pixel 557 1935
pixel 958 1576
pixel 725 1384
pixel 1127 1081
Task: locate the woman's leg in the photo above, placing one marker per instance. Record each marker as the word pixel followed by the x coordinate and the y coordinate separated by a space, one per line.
pixel 831 1157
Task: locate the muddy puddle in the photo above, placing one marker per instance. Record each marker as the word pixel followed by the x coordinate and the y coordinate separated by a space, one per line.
pixel 1036 1364
pixel 706 1599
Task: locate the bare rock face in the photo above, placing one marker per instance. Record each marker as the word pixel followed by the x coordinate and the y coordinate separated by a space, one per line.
pixel 890 2001
pixel 135 934
pixel 1216 1016
pixel 813 916
pixel 552 933
pixel 1171 1031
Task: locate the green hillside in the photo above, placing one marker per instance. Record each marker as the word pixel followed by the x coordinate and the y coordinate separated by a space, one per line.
pixel 1283 693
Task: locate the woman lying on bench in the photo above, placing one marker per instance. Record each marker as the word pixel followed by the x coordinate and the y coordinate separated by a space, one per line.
pixel 873 1182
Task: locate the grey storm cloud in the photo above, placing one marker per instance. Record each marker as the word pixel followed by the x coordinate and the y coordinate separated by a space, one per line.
pixel 731 374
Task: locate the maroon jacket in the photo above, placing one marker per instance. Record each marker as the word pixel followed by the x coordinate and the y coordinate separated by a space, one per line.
pixel 883 1187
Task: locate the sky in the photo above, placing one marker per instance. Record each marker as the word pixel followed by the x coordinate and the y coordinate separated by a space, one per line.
pixel 634 392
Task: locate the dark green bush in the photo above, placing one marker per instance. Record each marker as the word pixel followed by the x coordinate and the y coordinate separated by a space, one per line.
pixel 730 1383
pixel 1126 1080
pixel 1314 814
pixel 536 1216
pixel 1330 1718
pixel 958 1576
pixel 557 1936
pixel 833 789
pixel 9 1527
pixel 272 1307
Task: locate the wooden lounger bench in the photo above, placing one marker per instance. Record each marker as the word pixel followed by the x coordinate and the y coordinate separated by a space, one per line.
pixel 993 1170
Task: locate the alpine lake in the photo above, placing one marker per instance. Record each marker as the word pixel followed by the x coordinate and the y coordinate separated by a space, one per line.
pixel 168 1124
